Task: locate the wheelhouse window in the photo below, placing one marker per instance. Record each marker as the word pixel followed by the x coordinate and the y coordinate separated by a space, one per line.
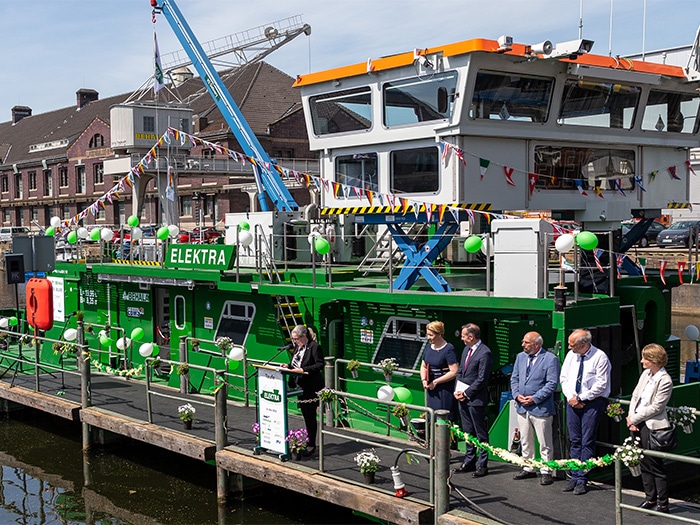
pixel 359 171
pixel 403 339
pixel 419 99
pixel 415 170
pixel 584 169
pixel 600 104
pixel 674 112
pixel 342 111
pixel 505 96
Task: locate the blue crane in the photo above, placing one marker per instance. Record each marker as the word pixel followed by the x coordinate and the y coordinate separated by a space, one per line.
pixel 270 184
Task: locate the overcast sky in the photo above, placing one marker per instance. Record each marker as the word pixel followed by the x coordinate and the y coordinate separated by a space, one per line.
pixel 52 48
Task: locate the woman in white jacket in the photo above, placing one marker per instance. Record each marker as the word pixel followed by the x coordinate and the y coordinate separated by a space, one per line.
pixel 648 412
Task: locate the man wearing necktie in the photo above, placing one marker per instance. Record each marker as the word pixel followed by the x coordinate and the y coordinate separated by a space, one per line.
pixel 470 390
pixel 533 382
pixel 585 383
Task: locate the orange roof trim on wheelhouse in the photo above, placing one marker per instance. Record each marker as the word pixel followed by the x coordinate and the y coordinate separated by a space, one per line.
pixel 483 45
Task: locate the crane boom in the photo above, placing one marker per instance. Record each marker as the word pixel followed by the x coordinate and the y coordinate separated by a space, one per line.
pixel 269 183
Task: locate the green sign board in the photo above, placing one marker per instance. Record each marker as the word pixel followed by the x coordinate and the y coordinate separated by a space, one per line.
pixel 200 256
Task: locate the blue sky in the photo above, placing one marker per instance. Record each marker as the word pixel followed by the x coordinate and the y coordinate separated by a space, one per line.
pixel 53 48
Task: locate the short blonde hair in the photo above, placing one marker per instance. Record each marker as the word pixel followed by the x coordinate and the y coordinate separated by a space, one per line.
pixel 436 326
pixel 656 354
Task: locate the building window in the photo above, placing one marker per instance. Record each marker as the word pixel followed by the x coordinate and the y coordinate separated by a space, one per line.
pixel 80 178
pixel 101 215
pixel 185 125
pixel 98 174
pixel 6 216
pixel 149 124
pixel 97 141
pixel 19 193
pixel 32 180
pixel 63 177
pixel 5 184
pixel 415 170
pixel 35 214
pixel 48 183
pixel 66 212
pixel 186 206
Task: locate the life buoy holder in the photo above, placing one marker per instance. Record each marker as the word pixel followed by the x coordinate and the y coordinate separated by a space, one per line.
pixel 40 304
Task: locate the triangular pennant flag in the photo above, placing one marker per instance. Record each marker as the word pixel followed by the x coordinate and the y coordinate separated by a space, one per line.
pixel 672 172
pixel 346 191
pixel 652 176
pixel 566 265
pixel 642 262
pixel 662 269
pixel 640 182
pixel 509 175
pixel 618 184
pixel 358 192
pixel 441 211
pixel 579 187
pixel 416 209
pixel 532 181
pixel 404 205
pixel 428 211
pixel 690 167
pixel 483 166
pixel 620 258
pixel 597 261
pixel 681 269
pixel 597 190
pixel 445 148
pixel 369 194
pixel 455 213
pixel 336 189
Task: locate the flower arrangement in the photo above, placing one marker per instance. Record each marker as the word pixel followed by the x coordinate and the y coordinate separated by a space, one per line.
pixel 186 412
pixel 194 343
pixel 256 430
pixel 25 339
pixel 353 365
pixel 614 410
pixel 326 395
pixel 224 343
pixel 106 369
pixel 388 365
pixel 182 369
pixel 368 461
pixel 629 452
pixel 400 410
pixel 681 416
pixel 297 439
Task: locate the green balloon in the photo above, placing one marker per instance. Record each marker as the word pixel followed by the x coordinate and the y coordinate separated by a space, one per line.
pixel 12 321
pixel 105 340
pixel 403 395
pixel 133 221
pixel 72 237
pixel 244 226
pixel 163 233
pixel 95 234
pixel 233 365
pixel 472 244
pixel 50 231
pixel 321 245
pixel 587 240
pixel 137 334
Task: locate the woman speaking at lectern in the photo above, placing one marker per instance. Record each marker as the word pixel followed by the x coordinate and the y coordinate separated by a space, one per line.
pixel 307 365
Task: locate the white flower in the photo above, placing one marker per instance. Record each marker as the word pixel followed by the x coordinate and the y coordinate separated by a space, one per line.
pixel 368 461
pixel 629 452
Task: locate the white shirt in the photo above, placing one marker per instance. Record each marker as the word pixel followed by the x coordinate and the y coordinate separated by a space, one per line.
pixel 596 375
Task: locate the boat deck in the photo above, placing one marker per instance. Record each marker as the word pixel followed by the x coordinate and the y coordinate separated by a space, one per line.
pixel 119 405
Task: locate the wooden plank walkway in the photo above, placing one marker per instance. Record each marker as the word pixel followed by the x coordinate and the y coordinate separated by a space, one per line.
pixel 119 406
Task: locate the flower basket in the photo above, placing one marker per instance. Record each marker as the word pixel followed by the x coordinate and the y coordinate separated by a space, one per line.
pixel 387 367
pixel 635 470
pixel 224 344
pixel 615 411
pixel 353 366
pixel 688 429
pixel 297 440
pixel 256 431
pixel 369 477
pixel 683 417
pixel 401 412
pixel 630 453
pixel 368 461
pixel 186 414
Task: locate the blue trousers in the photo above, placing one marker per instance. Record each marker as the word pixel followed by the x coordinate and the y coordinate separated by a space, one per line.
pixel 475 423
pixel 583 429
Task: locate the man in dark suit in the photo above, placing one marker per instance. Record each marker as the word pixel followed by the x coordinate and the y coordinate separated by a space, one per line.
pixel 533 382
pixel 470 390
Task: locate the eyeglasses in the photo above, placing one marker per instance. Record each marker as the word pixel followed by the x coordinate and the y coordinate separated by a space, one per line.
pixel 527 342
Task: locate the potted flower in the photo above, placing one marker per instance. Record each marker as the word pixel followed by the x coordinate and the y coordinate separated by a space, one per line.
pixel 630 454
pixel 224 344
pixel 615 411
pixel 388 365
pixel 194 342
pixel 682 416
pixel 297 440
pixel 326 395
pixel 25 339
pixel 401 412
pixel 186 413
pixel 182 369
pixel 353 366
pixel 368 461
pixel 256 431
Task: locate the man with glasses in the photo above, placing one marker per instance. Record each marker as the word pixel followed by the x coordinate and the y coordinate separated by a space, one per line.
pixel 585 383
pixel 533 382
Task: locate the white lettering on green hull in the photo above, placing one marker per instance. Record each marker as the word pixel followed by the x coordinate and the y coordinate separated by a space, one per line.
pixel 203 257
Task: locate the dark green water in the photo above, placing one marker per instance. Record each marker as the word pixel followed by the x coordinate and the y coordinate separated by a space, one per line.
pixel 43 482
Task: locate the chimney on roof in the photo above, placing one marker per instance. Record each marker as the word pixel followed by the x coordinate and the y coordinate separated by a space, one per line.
pixel 85 96
pixel 19 112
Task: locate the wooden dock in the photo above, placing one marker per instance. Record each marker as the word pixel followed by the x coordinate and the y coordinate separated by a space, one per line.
pixel 120 407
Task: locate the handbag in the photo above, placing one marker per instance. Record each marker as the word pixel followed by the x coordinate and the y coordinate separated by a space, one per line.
pixel 664 439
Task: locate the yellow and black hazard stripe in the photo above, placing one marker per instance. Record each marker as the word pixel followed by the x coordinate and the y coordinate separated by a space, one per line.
pixel 679 205
pixel 136 263
pixel 376 210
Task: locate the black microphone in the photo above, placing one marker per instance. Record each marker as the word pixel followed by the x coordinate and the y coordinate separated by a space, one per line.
pixel 279 351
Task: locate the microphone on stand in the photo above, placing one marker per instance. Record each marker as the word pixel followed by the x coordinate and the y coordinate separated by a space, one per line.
pixel 279 351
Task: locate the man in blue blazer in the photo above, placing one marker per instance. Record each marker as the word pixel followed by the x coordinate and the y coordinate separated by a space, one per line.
pixel 470 390
pixel 533 382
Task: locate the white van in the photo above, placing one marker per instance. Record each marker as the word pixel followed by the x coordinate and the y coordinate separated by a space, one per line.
pixel 7 232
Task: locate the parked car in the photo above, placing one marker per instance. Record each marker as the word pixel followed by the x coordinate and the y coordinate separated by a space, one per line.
pixel 649 237
pixel 205 235
pixel 7 232
pixel 680 233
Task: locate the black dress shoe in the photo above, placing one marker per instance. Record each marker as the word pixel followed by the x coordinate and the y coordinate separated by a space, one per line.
pixel 525 474
pixel 480 472
pixel 662 508
pixel 647 505
pixel 466 467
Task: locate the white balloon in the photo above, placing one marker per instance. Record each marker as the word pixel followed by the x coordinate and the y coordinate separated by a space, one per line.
pixel 692 332
pixel 236 353
pixel 83 232
pixel 385 393
pixel 123 343
pixel 146 350
pixel 101 333
pixel 245 238
pixel 564 243
pixel 70 334
pixel 173 230
pixel 136 233
pixel 487 246
pixel 106 234
pixel 55 222
pixel 4 322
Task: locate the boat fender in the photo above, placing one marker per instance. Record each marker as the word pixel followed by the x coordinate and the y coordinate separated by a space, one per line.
pixel 40 304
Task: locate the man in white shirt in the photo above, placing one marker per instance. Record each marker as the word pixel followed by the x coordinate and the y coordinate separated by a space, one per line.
pixel 585 383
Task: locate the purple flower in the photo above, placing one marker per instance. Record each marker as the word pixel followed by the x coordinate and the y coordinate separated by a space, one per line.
pixel 297 439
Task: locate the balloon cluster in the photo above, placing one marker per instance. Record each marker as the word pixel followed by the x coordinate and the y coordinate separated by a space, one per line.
pixel 400 393
pixel 586 241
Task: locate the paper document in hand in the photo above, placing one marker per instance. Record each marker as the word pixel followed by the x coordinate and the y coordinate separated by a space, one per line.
pixel 461 386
